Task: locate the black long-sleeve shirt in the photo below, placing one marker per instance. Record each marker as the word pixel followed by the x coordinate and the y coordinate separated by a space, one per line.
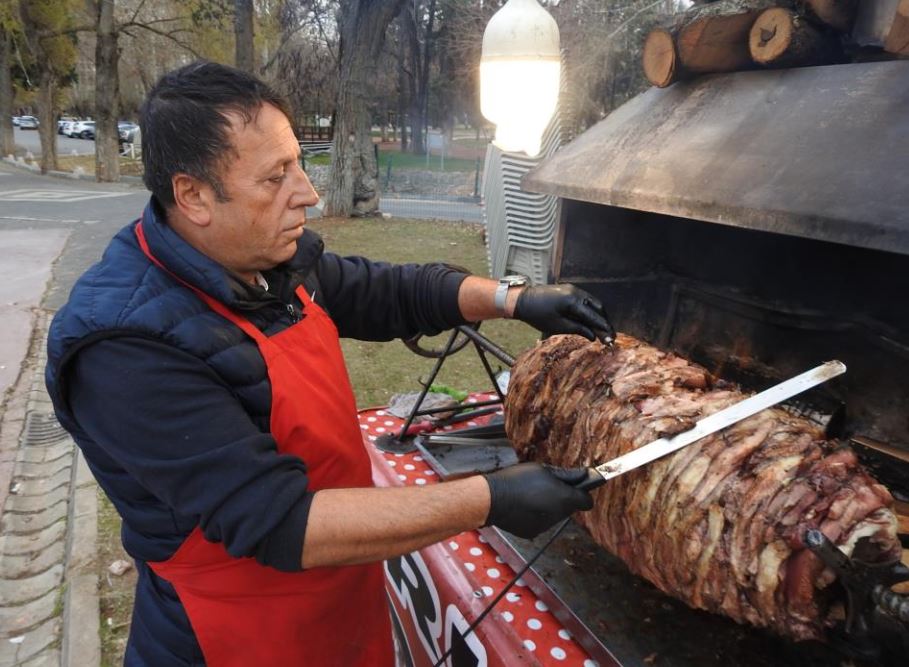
pixel 164 419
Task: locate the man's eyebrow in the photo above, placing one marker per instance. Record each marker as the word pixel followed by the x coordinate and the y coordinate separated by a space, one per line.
pixel 282 161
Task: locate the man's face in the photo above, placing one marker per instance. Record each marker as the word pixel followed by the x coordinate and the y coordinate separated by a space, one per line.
pixel 268 192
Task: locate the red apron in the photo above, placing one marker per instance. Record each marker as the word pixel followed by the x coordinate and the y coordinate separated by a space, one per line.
pixel 244 613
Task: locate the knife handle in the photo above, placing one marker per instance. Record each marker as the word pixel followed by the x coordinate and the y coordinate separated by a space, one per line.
pixel 592 481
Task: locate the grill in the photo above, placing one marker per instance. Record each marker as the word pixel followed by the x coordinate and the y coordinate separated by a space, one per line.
pixel 758 224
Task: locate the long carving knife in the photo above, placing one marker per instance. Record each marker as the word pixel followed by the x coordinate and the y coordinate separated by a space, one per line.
pixel 597 476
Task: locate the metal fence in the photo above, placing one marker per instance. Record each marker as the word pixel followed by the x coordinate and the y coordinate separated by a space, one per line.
pixel 432 206
pixel 429 190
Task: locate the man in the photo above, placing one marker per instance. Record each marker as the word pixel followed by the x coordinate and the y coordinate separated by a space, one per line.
pixel 197 366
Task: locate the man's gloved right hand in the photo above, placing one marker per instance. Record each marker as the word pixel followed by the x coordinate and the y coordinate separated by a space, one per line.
pixel 528 498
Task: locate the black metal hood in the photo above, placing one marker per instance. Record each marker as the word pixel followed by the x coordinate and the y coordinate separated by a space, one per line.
pixel 817 152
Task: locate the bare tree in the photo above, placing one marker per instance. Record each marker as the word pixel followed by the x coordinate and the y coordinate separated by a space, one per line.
pixel 7 145
pixel 107 93
pixel 603 44
pixel 353 184
pixel 107 30
pixel 244 15
pixel 304 67
pixel 44 23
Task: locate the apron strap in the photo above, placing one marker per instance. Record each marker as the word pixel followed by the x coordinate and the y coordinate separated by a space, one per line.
pixel 245 325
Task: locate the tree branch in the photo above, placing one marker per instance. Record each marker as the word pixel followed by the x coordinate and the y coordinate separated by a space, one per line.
pixel 136 13
pixel 168 35
pixel 284 39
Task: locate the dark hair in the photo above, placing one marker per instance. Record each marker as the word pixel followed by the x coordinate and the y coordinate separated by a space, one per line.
pixel 185 127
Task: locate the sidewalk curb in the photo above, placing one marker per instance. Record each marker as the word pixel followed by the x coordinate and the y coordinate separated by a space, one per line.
pixel 41 631
pixel 65 174
pixel 81 606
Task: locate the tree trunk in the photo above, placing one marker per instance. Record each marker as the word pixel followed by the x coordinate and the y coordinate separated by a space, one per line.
pixel 47 122
pixel 7 143
pixel 782 38
pixel 243 30
pixel 423 82
pixel 353 186
pixel 403 84
pixel 411 45
pixel 417 131
pixel 107 95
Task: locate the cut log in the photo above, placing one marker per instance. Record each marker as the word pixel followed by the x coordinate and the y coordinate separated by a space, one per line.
pixel 661 62
pixel 782 38
pixel 898 39
pixel 707 38
pixel 838 14
pixel 715 38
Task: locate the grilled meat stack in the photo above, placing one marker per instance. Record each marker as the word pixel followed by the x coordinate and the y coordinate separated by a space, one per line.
pixel 719 524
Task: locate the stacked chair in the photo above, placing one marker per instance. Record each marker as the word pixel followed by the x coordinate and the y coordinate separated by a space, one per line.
pixel 520 226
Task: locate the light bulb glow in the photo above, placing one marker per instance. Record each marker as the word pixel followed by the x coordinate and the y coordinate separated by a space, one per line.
pixel 519 74
pixel 519 96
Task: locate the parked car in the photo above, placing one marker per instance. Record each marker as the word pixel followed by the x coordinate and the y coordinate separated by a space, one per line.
pixel 124 127
pixel 28 123
pixel 67 128
pixel 16 120
pixel 84 129
pixel 71 129
pixel 61 124
pixel 126 131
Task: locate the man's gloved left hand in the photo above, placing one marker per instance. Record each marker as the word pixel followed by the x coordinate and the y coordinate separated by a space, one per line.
pixel 555 309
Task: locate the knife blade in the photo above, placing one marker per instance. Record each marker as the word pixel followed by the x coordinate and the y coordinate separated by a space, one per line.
pixel 598 475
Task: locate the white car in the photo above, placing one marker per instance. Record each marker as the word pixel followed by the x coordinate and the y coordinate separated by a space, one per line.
pixel 83 129
pixel 28 123
pixel 62 123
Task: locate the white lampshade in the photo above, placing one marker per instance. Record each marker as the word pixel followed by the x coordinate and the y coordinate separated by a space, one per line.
pixel 519 74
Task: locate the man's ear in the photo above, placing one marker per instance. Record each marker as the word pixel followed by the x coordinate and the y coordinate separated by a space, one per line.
pixel 193 198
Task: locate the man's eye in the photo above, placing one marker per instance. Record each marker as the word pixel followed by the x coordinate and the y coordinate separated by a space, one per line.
pixel 277 178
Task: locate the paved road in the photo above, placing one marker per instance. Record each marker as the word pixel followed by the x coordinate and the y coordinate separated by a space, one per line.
pixel 29 140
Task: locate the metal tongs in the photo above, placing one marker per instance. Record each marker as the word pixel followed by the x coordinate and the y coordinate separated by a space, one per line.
pixel 597 476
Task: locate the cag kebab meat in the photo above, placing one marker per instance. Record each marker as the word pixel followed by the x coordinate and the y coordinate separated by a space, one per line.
pixel 718 524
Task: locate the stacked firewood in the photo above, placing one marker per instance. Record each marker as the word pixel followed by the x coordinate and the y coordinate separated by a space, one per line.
pixel 732 35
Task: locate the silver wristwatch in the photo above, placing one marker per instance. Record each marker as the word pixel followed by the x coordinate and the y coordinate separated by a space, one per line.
pixel 506 282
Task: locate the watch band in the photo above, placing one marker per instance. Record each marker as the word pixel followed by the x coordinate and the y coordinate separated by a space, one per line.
pixel 501 295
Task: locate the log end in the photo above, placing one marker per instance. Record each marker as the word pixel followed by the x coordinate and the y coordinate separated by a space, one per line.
pixel 771 35
pixel 660 58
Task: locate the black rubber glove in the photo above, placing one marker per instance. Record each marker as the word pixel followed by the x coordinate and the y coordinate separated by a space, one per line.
pixel 557 309
pixel 528 498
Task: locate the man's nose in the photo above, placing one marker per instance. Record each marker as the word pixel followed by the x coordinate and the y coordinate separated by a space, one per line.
pixel 304 193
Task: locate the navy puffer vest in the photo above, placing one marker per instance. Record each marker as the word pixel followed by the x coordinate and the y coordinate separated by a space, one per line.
pixel 125 294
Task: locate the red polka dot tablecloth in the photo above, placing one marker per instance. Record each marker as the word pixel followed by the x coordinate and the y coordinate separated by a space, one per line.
pixel 541 634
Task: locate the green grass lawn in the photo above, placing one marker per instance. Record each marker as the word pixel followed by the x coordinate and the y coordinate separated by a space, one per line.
pixel 378 370
pixel 401 160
